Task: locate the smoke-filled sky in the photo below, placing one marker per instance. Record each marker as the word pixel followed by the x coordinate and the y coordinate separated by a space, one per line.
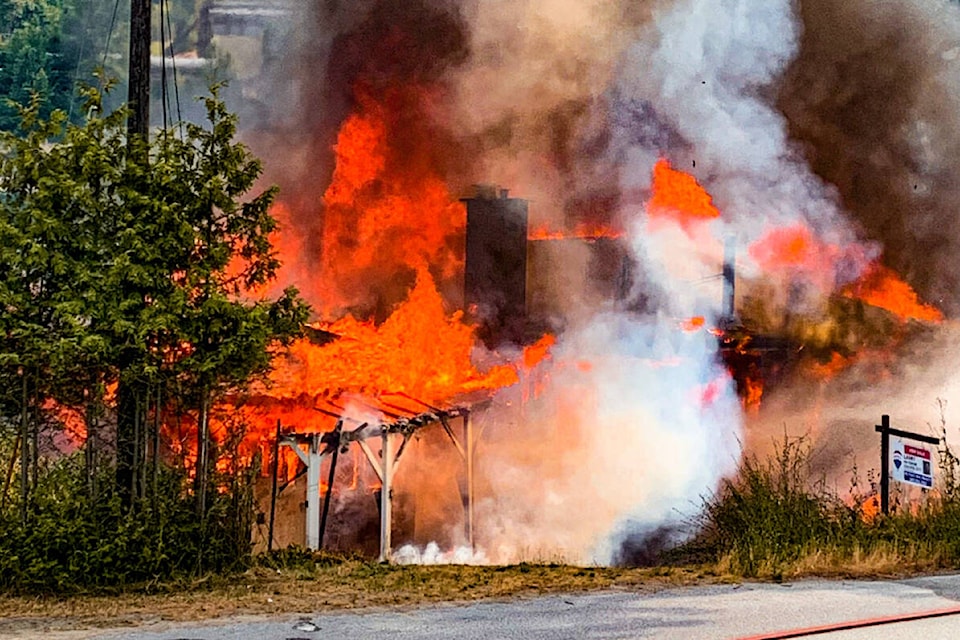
pixel 835 116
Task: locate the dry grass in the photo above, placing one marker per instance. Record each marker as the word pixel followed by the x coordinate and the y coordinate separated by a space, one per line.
pixel 347 585
pixel 880 561
pixel 354 583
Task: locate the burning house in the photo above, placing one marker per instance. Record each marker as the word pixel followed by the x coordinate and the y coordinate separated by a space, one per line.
pixel 605 316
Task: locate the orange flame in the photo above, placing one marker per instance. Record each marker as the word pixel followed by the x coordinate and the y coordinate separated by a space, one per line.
pixel 693 324
pixel 677 196
pixel 385 210
pixel 418 351
pixel 583 231
pixel 794 249
pixel 828 370
pixel 881 287
pixel 70 418
pixel 752 393
pixel 539 351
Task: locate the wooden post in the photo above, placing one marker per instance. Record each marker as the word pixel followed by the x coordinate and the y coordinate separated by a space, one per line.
pixel 273 490
pixel 24 447
pixel 203 451
pixel 469 446
pixel 10 468
pixel 138 74
pixel 884 429
pixel 157 417
pixel 386 491
pixel 330 478
pixel 313 492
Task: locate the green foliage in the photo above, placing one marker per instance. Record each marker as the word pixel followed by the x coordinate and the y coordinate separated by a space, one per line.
pixel 31 57
pixel 78 541
pixel 306 562
pixel 129 262
pixel 767 513
pixel 770 517
pixel 137 272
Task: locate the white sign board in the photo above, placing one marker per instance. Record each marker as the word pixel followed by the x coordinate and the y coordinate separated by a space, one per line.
pixel 912 464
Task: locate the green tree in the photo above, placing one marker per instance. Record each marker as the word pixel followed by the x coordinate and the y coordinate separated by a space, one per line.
pixel 142 270
pixel 31 58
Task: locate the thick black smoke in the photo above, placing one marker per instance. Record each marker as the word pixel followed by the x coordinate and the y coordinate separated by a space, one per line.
pixel 872 99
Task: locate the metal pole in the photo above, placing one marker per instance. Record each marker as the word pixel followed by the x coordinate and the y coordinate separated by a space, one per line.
pixel 884 430
pixel 273 490
pixel 386 491
pixel 729 278
pixel 469 445
pixel 313 493
pixel 138 73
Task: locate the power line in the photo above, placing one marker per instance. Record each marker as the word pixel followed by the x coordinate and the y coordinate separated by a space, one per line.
pixel 76 71
pixel 164 96
pixel 173 63
pixel 106 47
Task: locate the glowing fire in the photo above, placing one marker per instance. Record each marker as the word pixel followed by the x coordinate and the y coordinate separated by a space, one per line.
pixel 828 370
pixel 385 210
pixel 677 196
pixel 582 231
pixel 693 324
pixel 797 252
pixel 881 287
pixel 70 418
pixel 419 351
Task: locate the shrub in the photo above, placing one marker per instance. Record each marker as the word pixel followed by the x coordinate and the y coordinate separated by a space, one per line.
pixel 75 540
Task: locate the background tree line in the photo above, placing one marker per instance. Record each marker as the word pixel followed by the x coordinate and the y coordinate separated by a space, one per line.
pixel 47 46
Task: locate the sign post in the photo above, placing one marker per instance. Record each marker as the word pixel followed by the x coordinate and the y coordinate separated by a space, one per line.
pixel 912 465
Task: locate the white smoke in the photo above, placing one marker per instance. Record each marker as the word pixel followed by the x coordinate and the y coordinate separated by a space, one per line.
pixel 638 419
pixel 432 554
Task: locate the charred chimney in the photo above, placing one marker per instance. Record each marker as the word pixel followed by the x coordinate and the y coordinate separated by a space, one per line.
pixel 495 272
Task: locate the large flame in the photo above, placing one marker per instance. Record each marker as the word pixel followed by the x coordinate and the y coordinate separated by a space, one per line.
pixel 796 252
pixel 386 211
pixel 881 287
pixel 419 351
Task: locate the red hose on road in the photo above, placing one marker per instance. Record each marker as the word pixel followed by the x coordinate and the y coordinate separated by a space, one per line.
pixel 854 624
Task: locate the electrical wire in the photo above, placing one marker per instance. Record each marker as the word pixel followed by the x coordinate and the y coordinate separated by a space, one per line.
pixel 76 71
pixel 106 48
pixel 173 63
pixel 164 95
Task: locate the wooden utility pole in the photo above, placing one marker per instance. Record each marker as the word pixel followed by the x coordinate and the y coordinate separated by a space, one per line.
pixel 138 73
pixel 138 126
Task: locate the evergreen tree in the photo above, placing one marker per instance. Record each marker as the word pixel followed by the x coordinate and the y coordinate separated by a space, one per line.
pixel 115 271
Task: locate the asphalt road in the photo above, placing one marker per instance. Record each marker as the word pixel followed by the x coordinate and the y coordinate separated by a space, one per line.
pixel 720 612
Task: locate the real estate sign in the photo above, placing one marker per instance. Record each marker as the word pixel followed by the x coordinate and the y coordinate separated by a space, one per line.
pixel 912 464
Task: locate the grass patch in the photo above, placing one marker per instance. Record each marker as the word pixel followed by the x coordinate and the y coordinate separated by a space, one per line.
pixel 771 522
